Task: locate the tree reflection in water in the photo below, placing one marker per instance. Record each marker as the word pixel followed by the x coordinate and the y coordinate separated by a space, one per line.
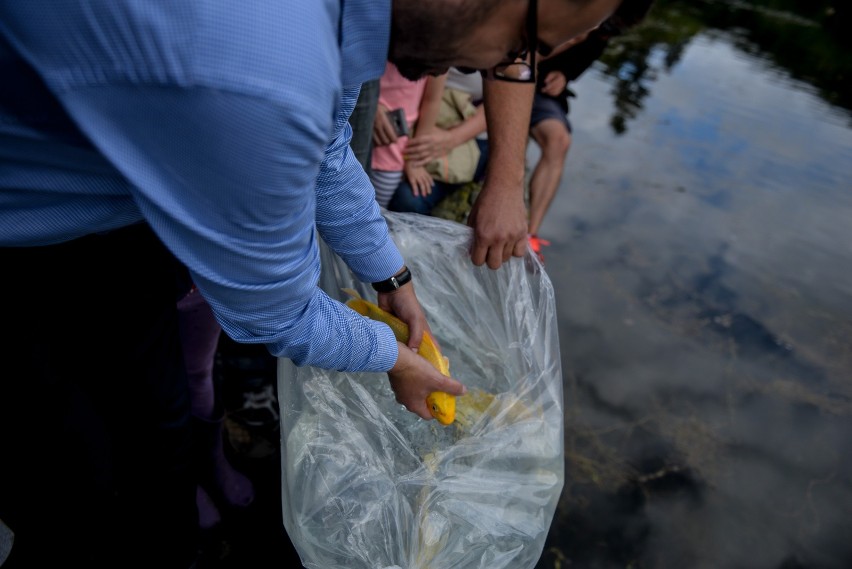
pixel 808 40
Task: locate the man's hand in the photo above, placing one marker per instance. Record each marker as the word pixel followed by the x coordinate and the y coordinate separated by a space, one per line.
pixel 413 378
pixel 499 221
pixel 403 304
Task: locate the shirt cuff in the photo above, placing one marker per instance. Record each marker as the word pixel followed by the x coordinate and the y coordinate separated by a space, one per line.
pixel 382 264
pixel 387 350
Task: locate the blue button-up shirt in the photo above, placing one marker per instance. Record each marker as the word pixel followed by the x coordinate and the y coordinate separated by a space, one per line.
pixel 224 126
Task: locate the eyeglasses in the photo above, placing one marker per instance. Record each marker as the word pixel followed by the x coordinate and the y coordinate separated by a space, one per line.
pixel 516 68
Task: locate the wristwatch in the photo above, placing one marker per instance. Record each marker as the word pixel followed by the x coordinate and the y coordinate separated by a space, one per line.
pixel 393 283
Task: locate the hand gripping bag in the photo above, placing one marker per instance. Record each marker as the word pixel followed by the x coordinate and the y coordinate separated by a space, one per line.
pixel 366 484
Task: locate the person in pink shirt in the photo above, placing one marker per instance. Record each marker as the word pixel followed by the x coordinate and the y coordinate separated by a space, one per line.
pixel 417 102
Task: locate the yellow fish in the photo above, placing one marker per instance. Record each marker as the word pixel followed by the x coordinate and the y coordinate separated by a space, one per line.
pixel 442 405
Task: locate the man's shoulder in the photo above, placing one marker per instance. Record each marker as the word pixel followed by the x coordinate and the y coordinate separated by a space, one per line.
pixel 257 45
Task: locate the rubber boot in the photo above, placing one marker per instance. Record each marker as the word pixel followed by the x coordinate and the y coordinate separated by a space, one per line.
pixel 227 487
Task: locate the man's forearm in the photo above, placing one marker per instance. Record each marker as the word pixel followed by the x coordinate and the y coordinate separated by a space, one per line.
pixel 507 112
pixel 498 216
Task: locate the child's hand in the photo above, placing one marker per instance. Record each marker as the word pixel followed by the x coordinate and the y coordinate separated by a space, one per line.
pixel 419 178
pixel 424 148
pixel 383 131
pixel 554 84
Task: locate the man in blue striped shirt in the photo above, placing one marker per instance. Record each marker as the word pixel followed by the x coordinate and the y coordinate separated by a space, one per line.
pixel 139 139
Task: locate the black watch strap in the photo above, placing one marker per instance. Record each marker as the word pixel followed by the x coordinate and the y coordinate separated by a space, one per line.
pixel 393 283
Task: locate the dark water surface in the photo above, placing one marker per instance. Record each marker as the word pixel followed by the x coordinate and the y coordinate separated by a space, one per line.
pixel 702 256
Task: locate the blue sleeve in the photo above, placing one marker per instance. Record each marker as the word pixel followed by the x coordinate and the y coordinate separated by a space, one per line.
pixel 221 138
pixel 348 216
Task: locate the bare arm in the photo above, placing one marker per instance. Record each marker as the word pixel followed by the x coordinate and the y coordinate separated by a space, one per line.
pixel 499 217
pixel 430 104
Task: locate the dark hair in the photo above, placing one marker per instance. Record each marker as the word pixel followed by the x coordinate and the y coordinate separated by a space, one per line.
pixel 426 34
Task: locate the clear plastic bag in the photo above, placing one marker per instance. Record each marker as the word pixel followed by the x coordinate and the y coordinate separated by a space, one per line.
pixel 368 484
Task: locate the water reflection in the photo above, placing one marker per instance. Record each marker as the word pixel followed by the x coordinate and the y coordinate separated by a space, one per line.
pixel 702 255
pixel 805 42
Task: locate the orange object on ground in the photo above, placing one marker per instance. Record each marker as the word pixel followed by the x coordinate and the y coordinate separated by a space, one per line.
pixel 537 243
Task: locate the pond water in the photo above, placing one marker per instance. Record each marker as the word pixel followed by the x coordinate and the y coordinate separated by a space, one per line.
pixel 702 259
